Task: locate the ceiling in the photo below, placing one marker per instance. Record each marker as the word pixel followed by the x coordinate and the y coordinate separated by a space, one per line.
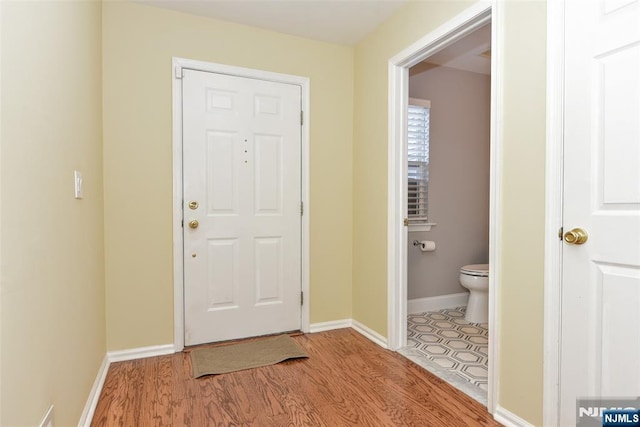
pixel 336 21
pixel 471 53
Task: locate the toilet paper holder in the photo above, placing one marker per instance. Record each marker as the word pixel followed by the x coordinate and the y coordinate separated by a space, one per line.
pixel 425 245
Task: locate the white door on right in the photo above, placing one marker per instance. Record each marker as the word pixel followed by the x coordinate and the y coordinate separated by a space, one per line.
pixel 601 276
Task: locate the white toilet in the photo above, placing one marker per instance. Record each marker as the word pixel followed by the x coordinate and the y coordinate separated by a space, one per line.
pixel 475 277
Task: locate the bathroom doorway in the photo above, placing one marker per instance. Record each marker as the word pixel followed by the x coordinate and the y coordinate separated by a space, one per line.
pixel 448 211
pixel 438 54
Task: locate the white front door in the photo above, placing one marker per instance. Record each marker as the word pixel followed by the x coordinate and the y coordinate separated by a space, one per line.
pixel 600 331
pixel 242 201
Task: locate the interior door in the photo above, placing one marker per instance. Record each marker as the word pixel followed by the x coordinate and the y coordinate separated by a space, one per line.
pixel 601 276
pixel 242 201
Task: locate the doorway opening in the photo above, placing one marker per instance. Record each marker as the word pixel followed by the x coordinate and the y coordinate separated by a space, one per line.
pixel 472 20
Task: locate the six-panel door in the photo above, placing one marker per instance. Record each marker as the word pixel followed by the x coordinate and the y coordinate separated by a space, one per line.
pixel 242 160
pixel 601 277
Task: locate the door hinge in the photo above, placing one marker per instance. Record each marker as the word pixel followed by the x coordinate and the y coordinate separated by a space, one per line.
pixel 178 72
pixel 301 117
pixel 560 232
pixel 301 208
pixel 301 298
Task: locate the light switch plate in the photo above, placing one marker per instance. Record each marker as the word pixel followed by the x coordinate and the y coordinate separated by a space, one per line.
pixel 79 191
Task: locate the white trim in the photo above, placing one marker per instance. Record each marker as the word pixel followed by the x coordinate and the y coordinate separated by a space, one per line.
pixel 495 203
pixel 474 17
pixel 509 419
pixel 306 218
pixel 468 21
pixel 331 325
pixel 94 394
pixel 178 248
pixel 369 333
pixel 420 305
pixel 397 209
pixel 413 228
pixel 553 213
pixel 47 420
pixel 363 330
pixel 141 353
pixel 178 256
pixel 117 356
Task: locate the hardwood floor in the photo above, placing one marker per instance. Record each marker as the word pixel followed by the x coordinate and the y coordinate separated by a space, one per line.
pixel 346 381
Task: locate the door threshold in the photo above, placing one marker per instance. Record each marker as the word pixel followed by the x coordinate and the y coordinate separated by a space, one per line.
pixel 293 333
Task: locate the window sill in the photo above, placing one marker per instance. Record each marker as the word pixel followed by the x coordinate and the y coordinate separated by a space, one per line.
pixel 421 227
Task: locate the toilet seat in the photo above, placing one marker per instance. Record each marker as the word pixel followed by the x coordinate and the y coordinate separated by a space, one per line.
pixel 477 270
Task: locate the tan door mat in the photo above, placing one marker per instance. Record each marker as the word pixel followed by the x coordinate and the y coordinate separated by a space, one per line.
pixel 244 355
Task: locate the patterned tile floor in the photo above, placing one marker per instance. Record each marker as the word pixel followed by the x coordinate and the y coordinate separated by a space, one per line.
pixel 452 348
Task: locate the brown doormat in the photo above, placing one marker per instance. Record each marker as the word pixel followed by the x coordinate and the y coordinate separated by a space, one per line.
pixel 246 355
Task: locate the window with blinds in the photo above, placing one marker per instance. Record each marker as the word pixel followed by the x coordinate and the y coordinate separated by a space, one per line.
pixel 418 160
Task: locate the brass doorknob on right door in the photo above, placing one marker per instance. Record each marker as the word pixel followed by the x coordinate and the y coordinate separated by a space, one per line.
pixel 194 223
pixel 577 236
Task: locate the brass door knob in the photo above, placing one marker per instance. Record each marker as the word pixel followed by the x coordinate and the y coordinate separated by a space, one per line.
pixel 194 223
pixel 577 236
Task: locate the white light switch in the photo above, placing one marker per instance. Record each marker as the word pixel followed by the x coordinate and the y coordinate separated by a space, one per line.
pixel 78 184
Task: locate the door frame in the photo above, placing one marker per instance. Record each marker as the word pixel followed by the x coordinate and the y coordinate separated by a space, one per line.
pixel 553 214
pixel 178 247
pixel 472 18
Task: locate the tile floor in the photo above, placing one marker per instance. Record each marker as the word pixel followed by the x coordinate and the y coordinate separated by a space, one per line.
pixel 444 343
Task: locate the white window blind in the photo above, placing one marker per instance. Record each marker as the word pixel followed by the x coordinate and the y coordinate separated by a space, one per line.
pixel 418 160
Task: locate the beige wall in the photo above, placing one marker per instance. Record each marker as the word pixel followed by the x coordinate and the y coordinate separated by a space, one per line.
pixel 139 42
pixel 458 179
pixel 410 23
pixel 52 314
pixel 523 74
pixel 521 298
pixel 53 303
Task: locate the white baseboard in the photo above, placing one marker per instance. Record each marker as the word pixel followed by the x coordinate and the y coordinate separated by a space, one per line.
pixel 140 353
pixel 370 333
pixel 420 305
pixel 109 358
pixel 329 326
pixel 353 324
pixel 509 419
pixel 94 395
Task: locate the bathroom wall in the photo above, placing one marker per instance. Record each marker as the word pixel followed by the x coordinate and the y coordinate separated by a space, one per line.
pixel 458 178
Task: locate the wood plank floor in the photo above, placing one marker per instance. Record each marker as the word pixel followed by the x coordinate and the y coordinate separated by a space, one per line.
pixel 346 381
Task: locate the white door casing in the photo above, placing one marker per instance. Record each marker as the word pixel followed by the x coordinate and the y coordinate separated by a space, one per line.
pixel 241 165
pixel 600 283
pixel 472 18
